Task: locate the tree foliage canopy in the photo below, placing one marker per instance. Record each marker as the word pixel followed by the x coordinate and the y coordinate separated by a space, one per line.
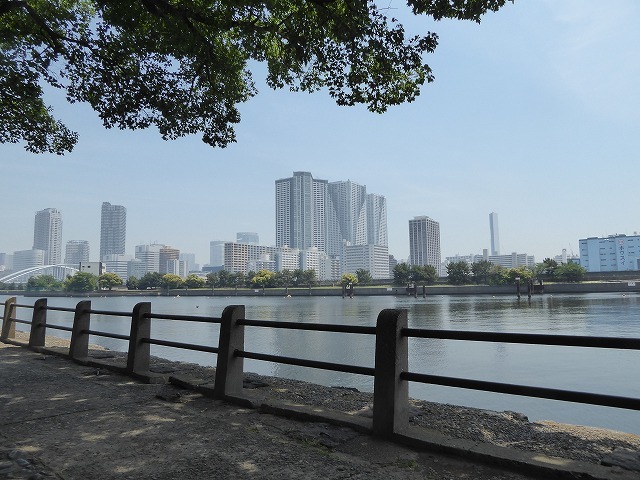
pixel 183 66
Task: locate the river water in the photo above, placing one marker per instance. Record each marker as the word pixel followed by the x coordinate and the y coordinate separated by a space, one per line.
pixel 606 371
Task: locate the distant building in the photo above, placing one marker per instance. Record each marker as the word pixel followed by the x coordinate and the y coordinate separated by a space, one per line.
pixel 313 213
pixel 76 251
pixel 94 268
pixel 614 253
pixel 149 255
pixel 513 260
pixel 166 256
pixel 113 229
pixel 118 264
pixel 495 235
pixel 248 237
pixel 216 253
pixel 424 242
pixel 189 260
pixel 47 235
pixel 373 258
pixel 24 259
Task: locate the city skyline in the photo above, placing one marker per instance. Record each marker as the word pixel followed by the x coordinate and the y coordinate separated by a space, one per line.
pixel 534 113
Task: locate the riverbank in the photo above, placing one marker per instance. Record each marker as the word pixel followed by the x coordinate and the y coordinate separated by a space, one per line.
pixel 570 445
pixel 614 286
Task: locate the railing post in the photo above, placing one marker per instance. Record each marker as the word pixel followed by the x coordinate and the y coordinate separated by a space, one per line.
pixel 390 393
pixel 79 348
pixel 38 323
pixel 229 368
pixel 8 325
pixel 139 354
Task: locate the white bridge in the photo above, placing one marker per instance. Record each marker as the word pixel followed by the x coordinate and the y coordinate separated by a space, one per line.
pixel 59 272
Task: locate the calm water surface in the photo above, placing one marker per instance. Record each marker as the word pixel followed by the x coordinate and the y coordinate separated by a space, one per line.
pixel 582 369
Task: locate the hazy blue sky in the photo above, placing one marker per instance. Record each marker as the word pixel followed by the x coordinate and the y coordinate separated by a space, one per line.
pixel 534 114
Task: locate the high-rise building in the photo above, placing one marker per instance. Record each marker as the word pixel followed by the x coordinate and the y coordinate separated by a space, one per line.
pixel 76 251
pixel 301 212
pixel 149 255
pixel 113 229
pixel 377 220
pixel 167 257
pixel 248 237
pixel 312 213
pixel 47 235
pixel 495 236
pixel 424 242
pixel 216 253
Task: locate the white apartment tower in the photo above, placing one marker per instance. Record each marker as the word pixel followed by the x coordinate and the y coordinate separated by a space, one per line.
pixel 377 220
pixel 301 220
pixel 47 235
pixel 495 236
pixel 424 242
pixel 313 213
pixel 113 229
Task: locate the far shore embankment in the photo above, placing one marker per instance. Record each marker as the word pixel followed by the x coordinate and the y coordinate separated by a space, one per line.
pixel 623 286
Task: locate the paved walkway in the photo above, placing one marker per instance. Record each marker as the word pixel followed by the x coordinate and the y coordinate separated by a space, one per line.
pixel 63 420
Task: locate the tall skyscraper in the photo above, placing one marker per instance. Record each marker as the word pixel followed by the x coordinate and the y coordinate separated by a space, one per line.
pixel 167 257
pixel 312 213
pixel 216 253
pixel 47 235
pixel 76 251
pixel 495 236
pixel 113 229
pixel 301 212
pixel 424 242
pixel 377 220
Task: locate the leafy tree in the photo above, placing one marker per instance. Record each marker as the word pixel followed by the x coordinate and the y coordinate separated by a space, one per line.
pixel 81 282
pixel 524 273
pixel 171 280
pixel 283 278
pixel 401 274
pixel 570 272
pixel 184 66
pixel 263 278
pixel 212 279
pixel 459 273
pixel 133 283
pixel 481 271
pixel 47 283
pixel 364 276
pixel 194 281
pixel 349 278
pixel 550 265
pixel 109 280
pixel 424 274
pixel 309 277
pixel 150 280
pixel 499 275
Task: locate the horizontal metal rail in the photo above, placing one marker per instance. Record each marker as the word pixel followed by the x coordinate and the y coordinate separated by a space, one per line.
pixel 109 312
pixel 336 367
pixel 22 306
pixel 17 320
pixel 61 309
pixel 59 327
pixel 527 338
pixel 118 336
pixel 187 346
pixel 320 327
pixel 524 390
pixel 188 318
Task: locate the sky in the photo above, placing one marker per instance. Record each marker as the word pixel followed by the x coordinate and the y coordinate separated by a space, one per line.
pixel 534 114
